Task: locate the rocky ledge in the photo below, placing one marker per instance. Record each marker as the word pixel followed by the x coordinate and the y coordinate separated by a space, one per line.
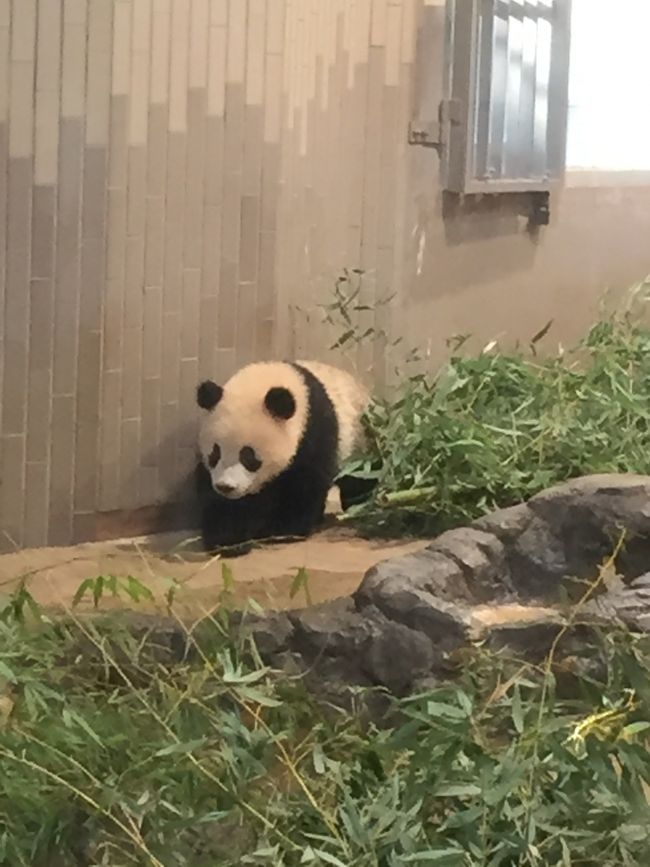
pixel 550 571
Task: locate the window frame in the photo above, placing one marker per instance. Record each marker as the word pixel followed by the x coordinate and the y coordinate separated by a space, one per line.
pixel 461 94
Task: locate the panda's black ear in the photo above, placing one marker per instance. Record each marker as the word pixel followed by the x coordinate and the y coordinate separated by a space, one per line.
pixel 280 403
pixel 208 394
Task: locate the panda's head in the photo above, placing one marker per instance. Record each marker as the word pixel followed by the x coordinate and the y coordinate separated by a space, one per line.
pixel 252 427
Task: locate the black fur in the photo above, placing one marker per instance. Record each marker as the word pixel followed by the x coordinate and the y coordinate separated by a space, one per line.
pixel 208 394
pixel 292 504
pixel 354 490
pixel 280 403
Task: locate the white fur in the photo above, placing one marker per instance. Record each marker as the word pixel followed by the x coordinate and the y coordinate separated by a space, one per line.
pixel 241 419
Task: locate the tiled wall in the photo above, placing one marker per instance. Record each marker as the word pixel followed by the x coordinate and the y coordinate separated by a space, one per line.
pixel 175 176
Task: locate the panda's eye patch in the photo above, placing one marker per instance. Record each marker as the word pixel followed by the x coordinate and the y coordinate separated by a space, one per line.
pixel 214 457
pixel 249 459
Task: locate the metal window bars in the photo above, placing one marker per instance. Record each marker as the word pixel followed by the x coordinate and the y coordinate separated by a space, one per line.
pixel 504 119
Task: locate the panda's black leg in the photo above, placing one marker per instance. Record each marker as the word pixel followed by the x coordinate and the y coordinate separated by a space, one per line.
pixel 299 508
pixel 354 490
pixel 224 523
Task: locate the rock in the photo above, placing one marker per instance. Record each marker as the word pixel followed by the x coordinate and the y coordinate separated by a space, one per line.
pixel 412 615
pixel 333 628
pixel 629 606
pixel 481 557
pixel 537 563
pixel 589 516
pixel 505 524
pixel 271 631
pixel 499 581
pixel 444 623
pixel 428 570
pixel 529 639
pixel 397 656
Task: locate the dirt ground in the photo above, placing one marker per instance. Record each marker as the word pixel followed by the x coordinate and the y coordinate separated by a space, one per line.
pixel 335 561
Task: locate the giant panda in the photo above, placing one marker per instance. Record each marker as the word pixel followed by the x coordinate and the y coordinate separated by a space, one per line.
pixel 271 443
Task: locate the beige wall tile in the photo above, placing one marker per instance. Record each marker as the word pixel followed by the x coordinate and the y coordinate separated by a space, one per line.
pixel 214 144
pixel 155 241
pixel 273 98
pixel 217 56
pixel 100 47
pixel 246 325
pixel 208 337
pixel 157 151
pixel 160 52
pixel 249 245
pixel 68 257
pixel 61 470
pixel 5 13
pixel 134 282
pixel 23 24
pixel 121 59
pixel 43 231
pixel 137 191
pixel 110 440
pixel 36 505
pixel 130 464
pixel 275 11
pixel 152 334
pixel 199 27
pixel 150 442
pixel 87 427
pixel 179 65
pixel 39 392
pixel 12 492
pixel 187 407
pixel 227 310
pixel 118 152
pixel 5 80
pixel 171 357
pixel 190 320
pixel 132 378
pixel 21 127
pixel 73 63
pixel 140 68
pixel 236 62
pixel 255 48
pixel 167 451
pixel 16 307
pixel 196 166
pixel 46 145
pixel 94 193
pixel 212 217
pixel 219 12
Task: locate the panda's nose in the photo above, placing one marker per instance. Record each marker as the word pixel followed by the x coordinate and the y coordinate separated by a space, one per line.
pixel 225 489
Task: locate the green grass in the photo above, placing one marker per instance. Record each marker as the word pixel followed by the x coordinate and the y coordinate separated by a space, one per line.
pixel 109 758
pixel 492 430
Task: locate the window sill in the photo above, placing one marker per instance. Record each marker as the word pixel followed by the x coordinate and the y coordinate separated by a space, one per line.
pixel 574 178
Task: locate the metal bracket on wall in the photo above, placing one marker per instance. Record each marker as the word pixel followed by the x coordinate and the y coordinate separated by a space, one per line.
pixel 431 133
pixel 425 134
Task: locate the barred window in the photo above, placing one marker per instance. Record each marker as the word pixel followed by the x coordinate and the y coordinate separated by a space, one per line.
pixel 505 116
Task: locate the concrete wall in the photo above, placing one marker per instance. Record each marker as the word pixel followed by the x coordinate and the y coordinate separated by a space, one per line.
pixel 181 181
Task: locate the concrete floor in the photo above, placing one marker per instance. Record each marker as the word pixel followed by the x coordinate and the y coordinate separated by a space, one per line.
pixel 335 562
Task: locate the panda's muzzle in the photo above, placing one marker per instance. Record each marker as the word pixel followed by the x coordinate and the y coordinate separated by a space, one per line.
pixel 224 489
